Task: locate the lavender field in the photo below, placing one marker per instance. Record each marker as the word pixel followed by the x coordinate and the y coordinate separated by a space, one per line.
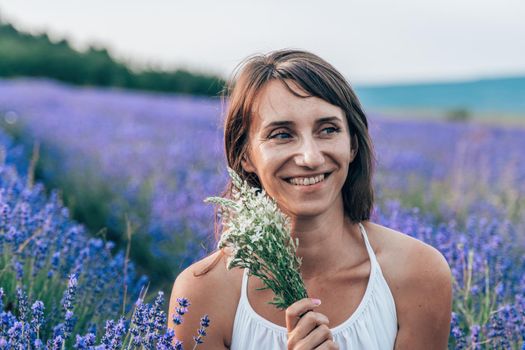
pixel 61 289
pixel 154 158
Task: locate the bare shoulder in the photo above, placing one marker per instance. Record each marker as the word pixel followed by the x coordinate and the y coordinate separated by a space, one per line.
pixel 421 283
pixel 406 257
pixel 213 293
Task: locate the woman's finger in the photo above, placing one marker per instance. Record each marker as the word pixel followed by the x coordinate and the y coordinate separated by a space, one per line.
pixel 306 325
pixel 315 338
pixel 328 345
pixel 297 309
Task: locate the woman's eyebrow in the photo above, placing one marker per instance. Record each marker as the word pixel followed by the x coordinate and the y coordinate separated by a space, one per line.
pixel 328 119
pixel 278 123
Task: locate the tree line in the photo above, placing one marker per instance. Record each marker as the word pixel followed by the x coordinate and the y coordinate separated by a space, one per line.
pixel 24 54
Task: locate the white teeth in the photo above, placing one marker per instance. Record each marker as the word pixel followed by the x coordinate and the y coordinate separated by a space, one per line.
pixel 306 181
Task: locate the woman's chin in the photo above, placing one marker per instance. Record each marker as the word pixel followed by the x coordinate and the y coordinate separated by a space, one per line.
pixel 306 212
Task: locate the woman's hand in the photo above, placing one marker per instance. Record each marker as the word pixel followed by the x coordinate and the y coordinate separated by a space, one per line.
pixel 308 329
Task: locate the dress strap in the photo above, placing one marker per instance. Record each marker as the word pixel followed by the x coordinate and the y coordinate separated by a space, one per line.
pixel 244 285
pixel 369 249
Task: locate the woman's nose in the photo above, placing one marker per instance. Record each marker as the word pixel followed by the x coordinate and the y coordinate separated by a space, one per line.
pixel 310 155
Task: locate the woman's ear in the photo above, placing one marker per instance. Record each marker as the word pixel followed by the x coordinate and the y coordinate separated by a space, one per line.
pixel 247 164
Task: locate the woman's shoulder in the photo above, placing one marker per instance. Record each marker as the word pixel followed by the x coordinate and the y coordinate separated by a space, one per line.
pixel 211 289
pixel 406 256
pixel 209 281
pixel 209 271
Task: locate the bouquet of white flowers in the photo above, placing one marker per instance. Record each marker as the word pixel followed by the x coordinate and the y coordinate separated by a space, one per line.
pixel 259 237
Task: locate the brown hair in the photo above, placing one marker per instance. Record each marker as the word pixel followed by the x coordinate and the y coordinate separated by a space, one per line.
pixel 317 78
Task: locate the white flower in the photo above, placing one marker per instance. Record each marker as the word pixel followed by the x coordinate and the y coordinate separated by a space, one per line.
pixel 255 223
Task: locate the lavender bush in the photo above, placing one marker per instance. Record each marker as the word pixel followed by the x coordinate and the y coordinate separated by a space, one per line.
pixel 486 256
pixel 63 282
pixel 449 168
pixel 145 330
pixel 44 251
pixel 137 152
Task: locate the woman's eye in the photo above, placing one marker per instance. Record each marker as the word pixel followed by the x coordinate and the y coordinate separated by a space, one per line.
pixel 273 136
pixel 333 129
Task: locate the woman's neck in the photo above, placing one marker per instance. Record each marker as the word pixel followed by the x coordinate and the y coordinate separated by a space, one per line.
pixel 325 242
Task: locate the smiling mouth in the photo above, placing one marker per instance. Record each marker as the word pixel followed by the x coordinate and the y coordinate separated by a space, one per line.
pixel 307 183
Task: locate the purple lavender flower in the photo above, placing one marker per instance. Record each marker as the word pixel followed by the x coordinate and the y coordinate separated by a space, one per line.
pixel 167 338
pixel 205 322
pixel 140 318
pixel 56 343
pixel 457 333
pixel 136 340
pixel 38 315
pixel 109 333
pixel 114 332
pixel 4 215
pixel 158 315
pixel 497 331
pixel 118 333
pixel 68 299
pixel 38 344
pixel 183 302
pixel 15 334
pixel 69 324
pixel 180 310
pixel 59 330
pixel 23 307
pixel 475 335
pixel 85 342
pixel 7 320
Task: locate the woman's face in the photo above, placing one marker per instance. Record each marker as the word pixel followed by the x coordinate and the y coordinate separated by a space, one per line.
pixel 293 139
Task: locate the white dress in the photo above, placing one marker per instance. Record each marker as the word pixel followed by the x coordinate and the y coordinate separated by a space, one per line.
pixel 372 326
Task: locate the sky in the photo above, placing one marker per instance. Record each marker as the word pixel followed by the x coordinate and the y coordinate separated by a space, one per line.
pixel 369 42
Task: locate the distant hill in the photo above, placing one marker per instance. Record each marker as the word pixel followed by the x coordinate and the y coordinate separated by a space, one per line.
pixel 24 54
pixel 483 95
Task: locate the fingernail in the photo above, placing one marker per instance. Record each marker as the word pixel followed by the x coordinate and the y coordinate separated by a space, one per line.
pixel 316 301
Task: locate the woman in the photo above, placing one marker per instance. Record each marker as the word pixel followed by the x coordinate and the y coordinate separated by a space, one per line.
pixel 295 128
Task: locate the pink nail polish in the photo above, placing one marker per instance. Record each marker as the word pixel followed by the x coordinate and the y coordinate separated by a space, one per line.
pixel 316 301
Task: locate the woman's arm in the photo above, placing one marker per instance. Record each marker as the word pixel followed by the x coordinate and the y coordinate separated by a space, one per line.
pixel 203 293
pixel 425 302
